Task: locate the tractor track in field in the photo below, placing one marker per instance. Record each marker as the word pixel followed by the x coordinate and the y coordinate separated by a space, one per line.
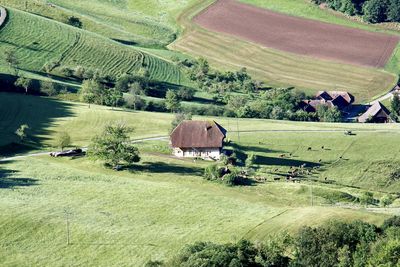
pixel 265 221
pixel 156 138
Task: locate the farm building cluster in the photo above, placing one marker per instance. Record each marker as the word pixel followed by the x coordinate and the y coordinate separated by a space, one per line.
pixel 343 101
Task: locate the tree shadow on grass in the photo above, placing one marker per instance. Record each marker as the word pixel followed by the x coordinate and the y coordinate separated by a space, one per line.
pixel 38 112
pixel 162 167
pixel 259 149
pixel 7 182
pixel 263 160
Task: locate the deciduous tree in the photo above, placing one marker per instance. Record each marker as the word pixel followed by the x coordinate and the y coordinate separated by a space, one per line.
pixel 63 140
pixel 113 146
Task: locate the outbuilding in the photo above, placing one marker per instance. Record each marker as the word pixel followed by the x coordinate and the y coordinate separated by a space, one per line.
pixel 377 113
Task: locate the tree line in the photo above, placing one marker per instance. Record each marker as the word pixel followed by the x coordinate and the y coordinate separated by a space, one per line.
pixel 234 94
pixel 373 11
pixel 333 244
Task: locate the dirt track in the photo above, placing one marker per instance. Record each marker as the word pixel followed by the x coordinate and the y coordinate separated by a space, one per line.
pixel 298 35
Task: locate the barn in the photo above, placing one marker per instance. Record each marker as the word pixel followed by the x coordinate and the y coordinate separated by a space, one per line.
pixel 202 139
pixel 377 113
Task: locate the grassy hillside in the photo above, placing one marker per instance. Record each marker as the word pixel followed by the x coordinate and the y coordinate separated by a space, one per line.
pixel 342 161
pixel 146 23
pixel 127 218
pixel 277 67
pixel 39 41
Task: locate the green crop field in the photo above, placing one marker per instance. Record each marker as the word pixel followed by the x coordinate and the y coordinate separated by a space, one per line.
pixel 148 23
pixel 127 218
pixel 279 68
pixel 39 41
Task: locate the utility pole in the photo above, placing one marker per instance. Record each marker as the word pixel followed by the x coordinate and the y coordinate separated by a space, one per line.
pixel 68 232
pixel 237 128
pixel 311 194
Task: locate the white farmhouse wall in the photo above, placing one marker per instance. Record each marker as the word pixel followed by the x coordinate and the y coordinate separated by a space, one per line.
pixel 205 153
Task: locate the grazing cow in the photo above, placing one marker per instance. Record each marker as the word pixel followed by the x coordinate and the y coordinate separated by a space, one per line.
pixel 309 149
pixel 277 178
pixel 282 155
pixel 320 160
pixel 322 147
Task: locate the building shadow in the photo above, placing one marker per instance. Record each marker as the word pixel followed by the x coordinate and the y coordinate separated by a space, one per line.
pixel 163 167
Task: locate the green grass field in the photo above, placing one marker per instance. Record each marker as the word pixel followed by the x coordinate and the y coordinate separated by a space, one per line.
pixel 40 41
pixel 279 68
pixel 127 218
pixel 146 23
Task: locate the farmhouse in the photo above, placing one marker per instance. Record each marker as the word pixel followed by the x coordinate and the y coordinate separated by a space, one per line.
pixel 203 139
pixel 340 99
pixel 377 113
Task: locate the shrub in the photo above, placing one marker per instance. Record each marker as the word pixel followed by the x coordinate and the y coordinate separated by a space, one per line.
pixel 391 222
pixel 74 21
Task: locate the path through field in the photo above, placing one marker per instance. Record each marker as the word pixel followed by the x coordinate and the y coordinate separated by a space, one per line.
pixel 83 148
pixel 298 35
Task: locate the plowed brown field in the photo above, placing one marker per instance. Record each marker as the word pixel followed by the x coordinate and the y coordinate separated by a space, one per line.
pixel 298 35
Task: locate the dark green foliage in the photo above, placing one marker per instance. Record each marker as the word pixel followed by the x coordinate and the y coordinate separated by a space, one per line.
pixel 113 146
pixel 373 11
pixel 367 198
pixel 22 132
pixel 242 254
pixel 227 175
pixel 391 222
pixel 393 13
pixel 74 21
pixel 180 117
pixel 186 93
pixel 320 246
pixel 172 102
pixel 334 244
pixel 24 83
pixel 327 114
pixel 395 107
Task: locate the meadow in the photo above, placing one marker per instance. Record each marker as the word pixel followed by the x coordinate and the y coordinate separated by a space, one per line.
pixel 39 42
pixel 276 67
pixel 144 23
pixel 129 217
